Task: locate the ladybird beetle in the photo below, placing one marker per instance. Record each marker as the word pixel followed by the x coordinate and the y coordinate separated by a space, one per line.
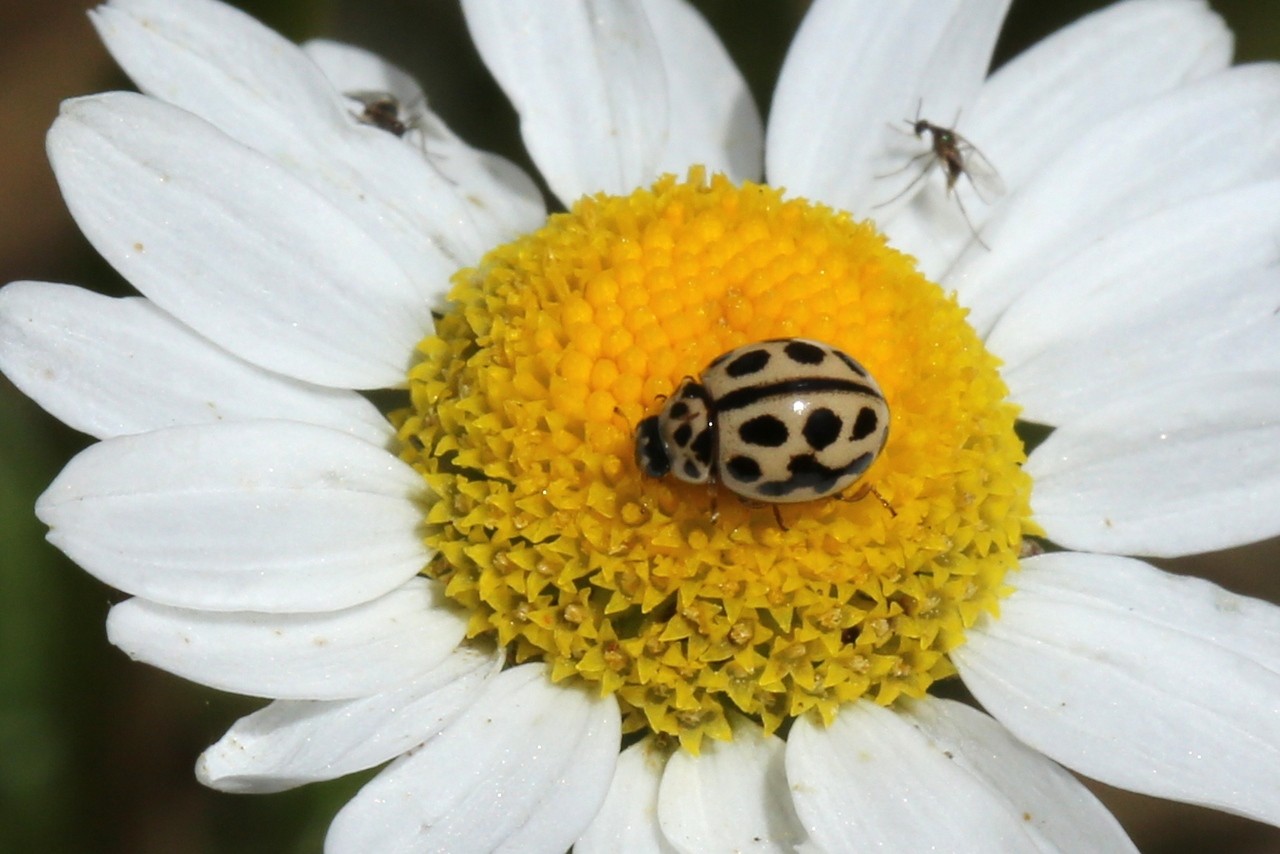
pixel 779 421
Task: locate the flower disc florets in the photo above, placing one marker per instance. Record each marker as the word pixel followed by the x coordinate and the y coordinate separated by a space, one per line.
pixel 544 528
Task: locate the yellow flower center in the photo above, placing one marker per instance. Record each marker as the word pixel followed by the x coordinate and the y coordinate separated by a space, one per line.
pixel 521 423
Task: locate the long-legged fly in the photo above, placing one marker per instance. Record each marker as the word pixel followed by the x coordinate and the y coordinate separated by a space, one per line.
pixel 381 110
pixel 957 156
pixel 385 111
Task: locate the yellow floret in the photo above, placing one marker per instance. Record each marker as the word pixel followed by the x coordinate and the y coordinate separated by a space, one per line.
pixel 559 342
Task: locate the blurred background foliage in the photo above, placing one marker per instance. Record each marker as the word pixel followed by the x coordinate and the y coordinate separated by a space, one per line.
pixel 96 753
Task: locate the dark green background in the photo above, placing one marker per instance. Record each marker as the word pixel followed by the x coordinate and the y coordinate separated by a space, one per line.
pixel 96 753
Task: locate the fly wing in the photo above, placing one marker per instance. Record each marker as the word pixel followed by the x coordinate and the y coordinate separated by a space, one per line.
pixel 372 98
pixel 982 175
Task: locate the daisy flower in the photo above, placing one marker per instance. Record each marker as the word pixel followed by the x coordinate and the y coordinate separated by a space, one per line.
pixel 478 585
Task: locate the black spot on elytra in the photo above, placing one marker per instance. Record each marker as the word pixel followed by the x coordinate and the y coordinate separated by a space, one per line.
pixel 691 470
pixel 804 352
pixel 866 423
pixel 743 469
pixel 821 428
pixel 808 473
pixel 748 363
pixel 682 435
pixel 765 431
pixel 679 409
pixel 701 447
pixel 851 363
pixel 858 465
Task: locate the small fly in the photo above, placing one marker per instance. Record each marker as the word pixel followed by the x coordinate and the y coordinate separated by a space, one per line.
pixel 386 112
pixel 958 156
pixel 381 110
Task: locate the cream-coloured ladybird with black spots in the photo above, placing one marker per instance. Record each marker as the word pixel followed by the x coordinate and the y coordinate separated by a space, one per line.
pixel 778 421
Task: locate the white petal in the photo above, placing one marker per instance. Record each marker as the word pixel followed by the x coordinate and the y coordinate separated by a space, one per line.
pixel 502 200
pixel 588 83
pixel 1091 70
pixel 937 776
pixel 628 818
pixel 854 71
pixel 524 769
pixel 353 69
pixel 1189 466
pixel 110 367
pixel 269 516
pixel 293 742
pixel 713 118
pixel 207 56
pixel 233 245
pixel 1220 132
pixel 368 649
pixel 1152 682
pixel 1126 313
pixel 733 797
pixel 262 91
pixel 1046 97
